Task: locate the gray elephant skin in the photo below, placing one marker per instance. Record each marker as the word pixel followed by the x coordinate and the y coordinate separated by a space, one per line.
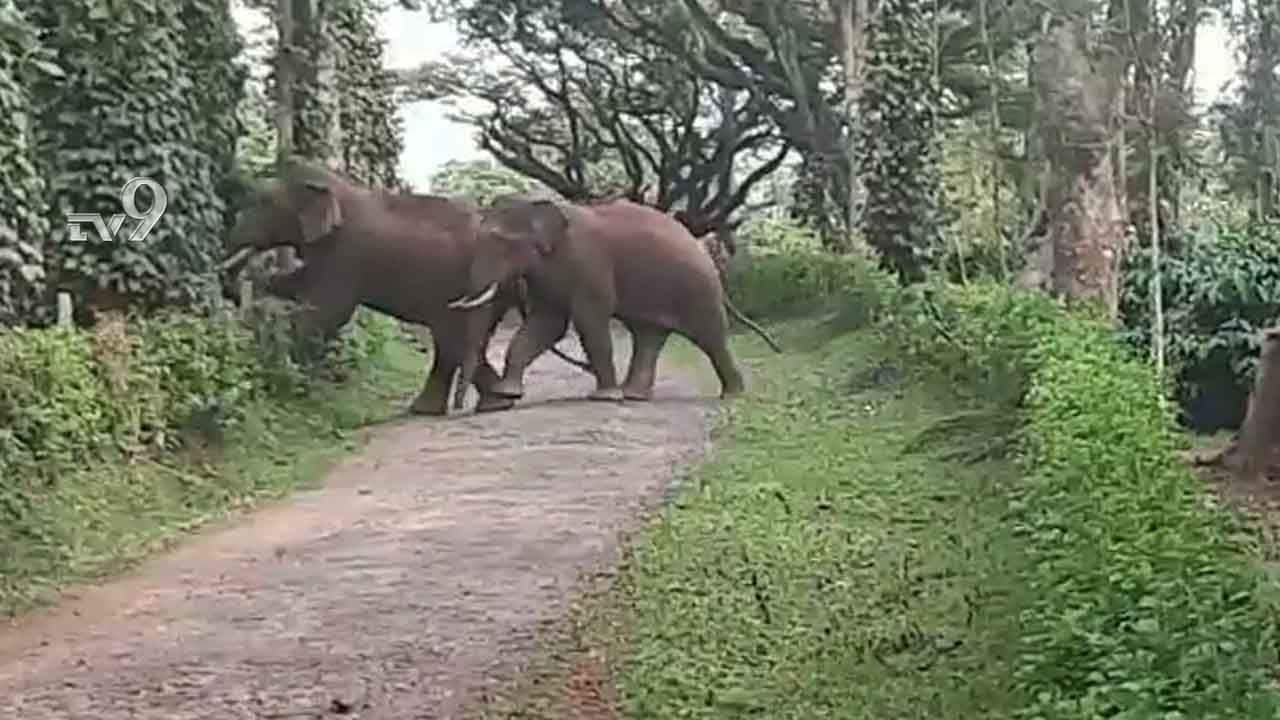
pixel 403 255
pixel 589 264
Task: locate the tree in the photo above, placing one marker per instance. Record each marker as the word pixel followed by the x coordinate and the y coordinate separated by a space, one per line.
pixel 117 112
pixel 1250 122
pixel 24 221
pixel 897 142
pixel 482 181
pixel 1078 80
pixel 610 116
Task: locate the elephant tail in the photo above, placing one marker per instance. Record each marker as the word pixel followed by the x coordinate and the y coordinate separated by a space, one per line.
pixel 571 360
pixel 737 315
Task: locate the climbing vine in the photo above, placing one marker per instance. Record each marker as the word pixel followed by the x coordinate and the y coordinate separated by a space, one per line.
pixel 23 211
pixel 899 144
pixel 212 48
pixel 372 131
pixel 146 92
pixel 345 108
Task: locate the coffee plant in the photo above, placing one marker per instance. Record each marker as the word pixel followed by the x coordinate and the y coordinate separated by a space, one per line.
pixel 1219 291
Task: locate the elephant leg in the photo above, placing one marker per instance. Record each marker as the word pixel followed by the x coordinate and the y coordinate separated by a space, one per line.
pixel 592 323
pixel 486 378
pixel 646 345
pixel 434 398
pixel 712 339
pixel 541 329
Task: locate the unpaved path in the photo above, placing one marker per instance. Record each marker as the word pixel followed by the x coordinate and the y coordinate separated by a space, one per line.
pixel 418 574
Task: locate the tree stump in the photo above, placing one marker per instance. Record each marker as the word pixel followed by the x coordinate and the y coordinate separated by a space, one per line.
pixel 1260 433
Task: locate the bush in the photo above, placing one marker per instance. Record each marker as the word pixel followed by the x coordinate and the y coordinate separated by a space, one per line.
pixel 1219 291
pixel 1144 601
pixel 790 276
pixel 54 407
pixel 68 396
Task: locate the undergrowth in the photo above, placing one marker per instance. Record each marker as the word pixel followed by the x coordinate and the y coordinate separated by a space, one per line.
pixel 960 502
pixel 116 440
pixel 823 568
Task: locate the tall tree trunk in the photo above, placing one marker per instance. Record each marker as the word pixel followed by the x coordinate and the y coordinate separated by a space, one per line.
pixel 1264 91
pixel 853 17
pixel 286 77
pixel 1078 90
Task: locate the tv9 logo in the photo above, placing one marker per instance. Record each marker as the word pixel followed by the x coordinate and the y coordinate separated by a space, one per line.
pixel 109 230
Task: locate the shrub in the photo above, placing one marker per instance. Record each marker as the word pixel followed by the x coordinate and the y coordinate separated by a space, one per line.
pixel 1218 291
pixel 54 408
pixel 68 397
pixel 1144 602
pixel 203 368
pixel 789 273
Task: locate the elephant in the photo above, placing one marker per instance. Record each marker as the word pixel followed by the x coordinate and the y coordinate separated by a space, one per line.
pixel 591 264
pixel 404 255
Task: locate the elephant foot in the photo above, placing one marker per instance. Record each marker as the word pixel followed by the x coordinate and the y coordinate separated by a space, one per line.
pixel 432 408
pixel 491 403
pixel 731 393
pixel 509 388
pixel 613 394
pixel 637 394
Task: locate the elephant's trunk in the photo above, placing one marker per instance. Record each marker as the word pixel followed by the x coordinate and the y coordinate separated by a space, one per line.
pixel 467 302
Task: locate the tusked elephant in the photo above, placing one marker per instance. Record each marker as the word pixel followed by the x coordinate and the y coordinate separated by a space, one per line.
pixel 590 264
pixel 403 255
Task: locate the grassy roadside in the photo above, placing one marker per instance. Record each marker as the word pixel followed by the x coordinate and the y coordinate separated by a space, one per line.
pixel 119 512
pixel 813 568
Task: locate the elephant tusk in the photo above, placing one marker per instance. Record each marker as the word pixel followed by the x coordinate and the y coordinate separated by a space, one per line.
pixel 236 258
pixel 466 303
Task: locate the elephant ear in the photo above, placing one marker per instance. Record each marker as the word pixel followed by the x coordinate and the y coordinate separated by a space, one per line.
pixel 321 214
pixel 548 225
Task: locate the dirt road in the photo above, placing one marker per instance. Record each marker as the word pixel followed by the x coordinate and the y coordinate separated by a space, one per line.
pixel 417 575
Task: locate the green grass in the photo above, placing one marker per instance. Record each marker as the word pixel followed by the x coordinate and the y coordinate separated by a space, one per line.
pixel 120 512
pixel 838 558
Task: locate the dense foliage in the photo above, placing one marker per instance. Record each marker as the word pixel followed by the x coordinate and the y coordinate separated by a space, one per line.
pixel 1122 590
pixel 372 132
pixel 898 144
pixel 345 109
pixel 24 220
pixel 115 113
pixel 481 181
pixel 1143 600
pixel 1219 291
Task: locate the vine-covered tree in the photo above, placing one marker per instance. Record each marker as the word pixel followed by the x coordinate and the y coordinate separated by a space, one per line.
pixel 897 143
pixel 331 97
pixel 118 112
pixel 24 222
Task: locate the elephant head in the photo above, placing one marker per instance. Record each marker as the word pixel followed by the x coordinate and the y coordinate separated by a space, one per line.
pixel 514 237
pixel 298 210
